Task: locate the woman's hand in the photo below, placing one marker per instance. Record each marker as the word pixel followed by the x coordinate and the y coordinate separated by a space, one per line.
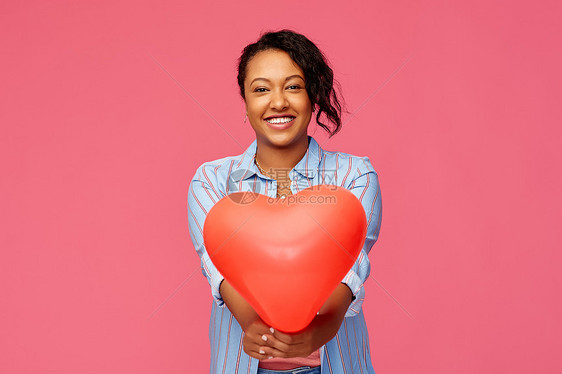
pixel 260 338
pixel 253 341
pixel 321 330
pixel 300 344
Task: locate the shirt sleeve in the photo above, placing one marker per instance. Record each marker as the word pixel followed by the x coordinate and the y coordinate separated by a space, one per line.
pixel 201 197
pixel 366 188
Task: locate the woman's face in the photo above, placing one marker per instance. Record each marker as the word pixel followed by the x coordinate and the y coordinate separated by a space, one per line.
pixel 277 103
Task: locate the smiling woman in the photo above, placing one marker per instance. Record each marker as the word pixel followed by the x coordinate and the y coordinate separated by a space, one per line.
pixel 284 78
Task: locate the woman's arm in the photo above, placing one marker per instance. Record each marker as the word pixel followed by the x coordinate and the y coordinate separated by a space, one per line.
pixel 240 308
pixel 253 326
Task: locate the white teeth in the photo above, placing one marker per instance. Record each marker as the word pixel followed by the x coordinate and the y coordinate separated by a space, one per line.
pixel 280 120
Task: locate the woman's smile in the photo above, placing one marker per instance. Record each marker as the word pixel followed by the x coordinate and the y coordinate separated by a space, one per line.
pixel 280 123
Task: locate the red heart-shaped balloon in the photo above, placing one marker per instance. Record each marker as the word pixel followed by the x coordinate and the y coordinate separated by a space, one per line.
pixel 286 256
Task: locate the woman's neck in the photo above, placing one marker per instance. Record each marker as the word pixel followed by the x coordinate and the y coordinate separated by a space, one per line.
pixel 271 157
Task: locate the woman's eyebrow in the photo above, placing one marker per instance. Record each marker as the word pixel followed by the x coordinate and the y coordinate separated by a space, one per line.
pixel 286 79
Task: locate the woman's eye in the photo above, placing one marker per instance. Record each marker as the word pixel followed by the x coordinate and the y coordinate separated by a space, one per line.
pixel 259 89
pixel 294 86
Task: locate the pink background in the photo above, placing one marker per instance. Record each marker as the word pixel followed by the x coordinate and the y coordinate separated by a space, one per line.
pixel 108 107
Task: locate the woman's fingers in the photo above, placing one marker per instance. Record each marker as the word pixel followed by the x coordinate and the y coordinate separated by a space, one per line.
pixel 276 348
pixel 266 346
pixel 294 351
pixel 254 349
pixel 261 342
pixel 255 338
pixel 302 337
pixel 270 352
pixel 273 342
pixel 259 355
pixel 286 338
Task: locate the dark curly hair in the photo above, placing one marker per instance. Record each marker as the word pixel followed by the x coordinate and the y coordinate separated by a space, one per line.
pixel 319 77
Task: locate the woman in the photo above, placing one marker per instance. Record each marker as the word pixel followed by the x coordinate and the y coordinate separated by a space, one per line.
pixel 283 79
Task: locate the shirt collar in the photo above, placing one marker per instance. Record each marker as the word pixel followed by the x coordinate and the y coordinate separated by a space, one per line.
pixel 307 166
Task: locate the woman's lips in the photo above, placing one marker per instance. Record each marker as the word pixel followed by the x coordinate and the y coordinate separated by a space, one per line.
pixel 281 126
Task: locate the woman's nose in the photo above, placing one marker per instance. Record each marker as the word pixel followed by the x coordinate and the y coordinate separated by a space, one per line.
pixel 279 100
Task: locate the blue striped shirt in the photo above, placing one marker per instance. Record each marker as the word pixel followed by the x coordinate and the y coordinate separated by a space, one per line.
pixel 348 352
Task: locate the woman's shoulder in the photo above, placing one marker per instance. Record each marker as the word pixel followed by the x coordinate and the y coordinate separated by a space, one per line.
pixel 209 171
pixel 342 160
